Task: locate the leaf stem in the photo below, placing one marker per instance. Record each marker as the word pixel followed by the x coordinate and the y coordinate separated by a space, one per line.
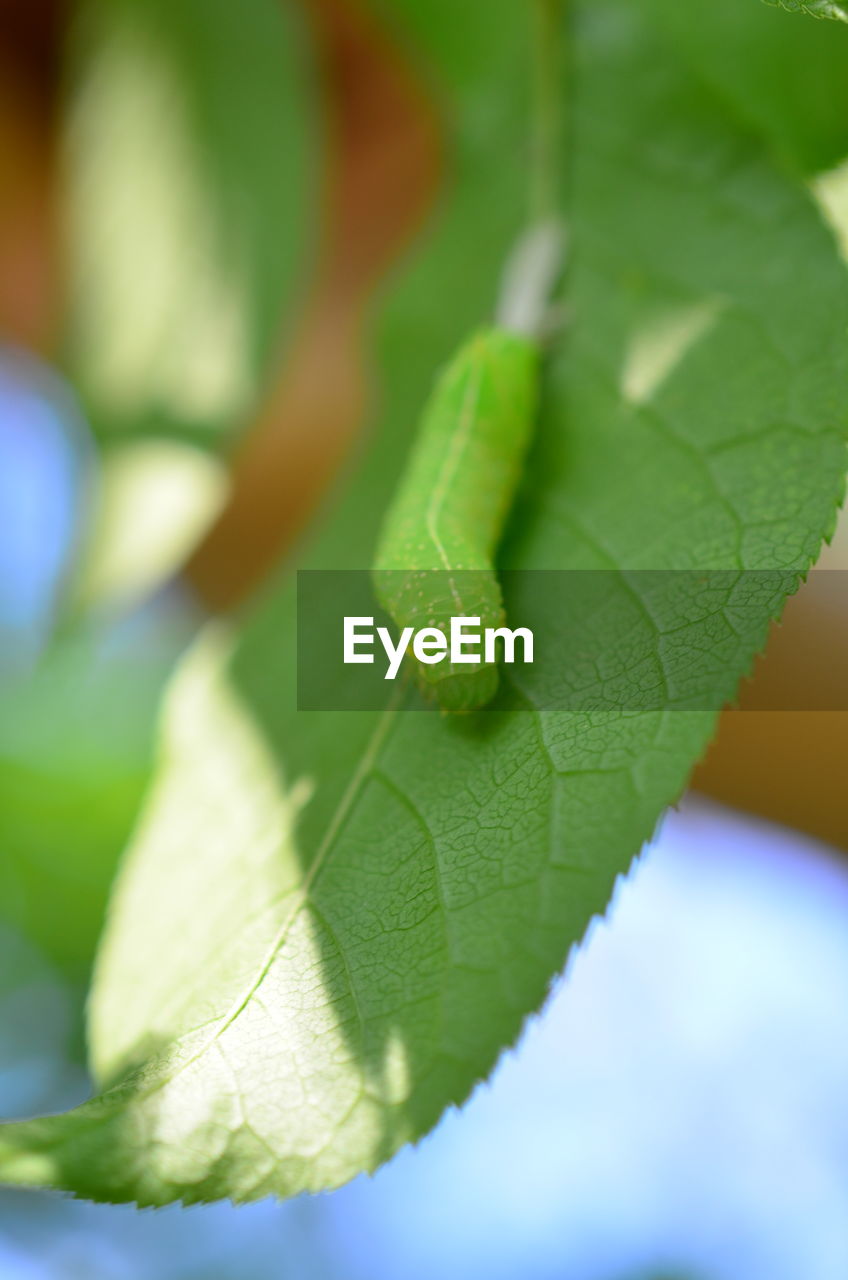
pixel 548 17
pixel 535 263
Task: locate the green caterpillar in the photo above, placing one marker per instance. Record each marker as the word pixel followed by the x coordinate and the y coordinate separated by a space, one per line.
pixel 435 558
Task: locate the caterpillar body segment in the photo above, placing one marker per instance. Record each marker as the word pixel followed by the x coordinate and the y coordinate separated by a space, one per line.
pixel 435 558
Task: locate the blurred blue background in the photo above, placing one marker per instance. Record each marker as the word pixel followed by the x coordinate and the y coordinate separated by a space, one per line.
pixel 678 1110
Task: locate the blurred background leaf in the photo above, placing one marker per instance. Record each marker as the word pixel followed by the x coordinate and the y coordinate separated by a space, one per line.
pixel 190 158
pixel 154 499
pixel 76 743
pixel 78 691
pixel 190 154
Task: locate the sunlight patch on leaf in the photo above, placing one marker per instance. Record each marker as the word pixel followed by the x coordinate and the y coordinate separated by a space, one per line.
pixel 212 756
pixel 831 191
pixel 659 346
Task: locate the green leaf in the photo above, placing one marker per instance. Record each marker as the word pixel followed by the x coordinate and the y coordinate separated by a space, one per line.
pixel 784 79
pixel 76 748
pixel 816 8
pixel 154 498
pixel 188 194
pixel 329 925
